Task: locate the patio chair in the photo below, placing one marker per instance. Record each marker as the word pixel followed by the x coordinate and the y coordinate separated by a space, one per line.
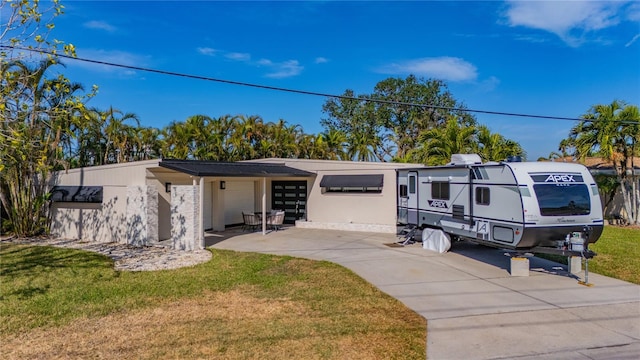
pixel 251 221
pixel 276 220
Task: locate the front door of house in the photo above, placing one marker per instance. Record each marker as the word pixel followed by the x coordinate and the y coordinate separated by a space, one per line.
pixel 290 196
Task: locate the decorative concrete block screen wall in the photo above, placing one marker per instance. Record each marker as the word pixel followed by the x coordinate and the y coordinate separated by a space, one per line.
pixel 185 213
pixel 142 215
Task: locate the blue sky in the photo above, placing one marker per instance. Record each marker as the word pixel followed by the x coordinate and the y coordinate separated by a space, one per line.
pixel 545 58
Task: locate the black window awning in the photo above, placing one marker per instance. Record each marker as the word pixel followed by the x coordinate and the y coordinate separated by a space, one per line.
pixel 368 180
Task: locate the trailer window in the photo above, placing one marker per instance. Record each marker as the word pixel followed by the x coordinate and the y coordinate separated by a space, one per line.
pixel 403 190
pixel 412 184
pixel 563 200
pixel 440 190
pixel 482 196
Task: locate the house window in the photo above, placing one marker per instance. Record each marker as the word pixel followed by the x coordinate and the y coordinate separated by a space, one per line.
pixel 482 196
pixel 440 190
pixel 369 183
pixel 353 189
pixel 77 194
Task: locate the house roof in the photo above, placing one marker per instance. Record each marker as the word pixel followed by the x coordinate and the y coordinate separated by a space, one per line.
pixel 596 163
pixel 232 169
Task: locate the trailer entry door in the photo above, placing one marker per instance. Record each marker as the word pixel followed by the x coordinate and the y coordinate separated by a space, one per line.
pixel 412 198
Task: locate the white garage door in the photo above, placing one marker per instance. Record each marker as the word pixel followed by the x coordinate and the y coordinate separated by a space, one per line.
pixel 238 197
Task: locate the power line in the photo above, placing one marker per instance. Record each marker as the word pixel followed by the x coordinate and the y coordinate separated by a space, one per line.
pixel 303 92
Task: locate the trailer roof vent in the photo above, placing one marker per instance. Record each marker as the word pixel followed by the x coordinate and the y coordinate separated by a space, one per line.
pixel 465 159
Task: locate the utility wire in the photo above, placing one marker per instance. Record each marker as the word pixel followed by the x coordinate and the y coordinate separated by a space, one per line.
pixel 303 92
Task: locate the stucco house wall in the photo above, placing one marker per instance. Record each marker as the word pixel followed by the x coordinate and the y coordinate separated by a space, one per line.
pixel 375 212
pixel 105 222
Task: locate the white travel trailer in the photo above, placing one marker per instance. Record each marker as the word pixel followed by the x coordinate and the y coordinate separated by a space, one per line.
pixel 524 206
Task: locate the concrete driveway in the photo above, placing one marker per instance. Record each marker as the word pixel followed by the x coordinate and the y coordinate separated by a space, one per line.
pixel 474 308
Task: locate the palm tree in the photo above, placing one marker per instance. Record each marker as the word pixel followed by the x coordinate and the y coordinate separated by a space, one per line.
pixel 282 139
pixel 36 119
pixel 494 147
pixel 438 144
pixel 361 147
pixel 245 135
pixel 310 147
pixel 199 128
pixel 221 131
pixel 336 141
pixel 119 135
pixel 147 145
pixel 612 132
pixel 176 141
pixel 90 138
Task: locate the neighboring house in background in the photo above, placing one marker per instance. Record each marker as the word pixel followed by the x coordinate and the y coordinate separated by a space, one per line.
pixel 141 203
pixel 614 209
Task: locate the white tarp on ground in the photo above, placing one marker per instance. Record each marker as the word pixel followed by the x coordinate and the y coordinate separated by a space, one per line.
pixel 436 240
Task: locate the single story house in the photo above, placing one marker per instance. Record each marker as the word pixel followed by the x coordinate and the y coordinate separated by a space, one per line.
pixel 142 203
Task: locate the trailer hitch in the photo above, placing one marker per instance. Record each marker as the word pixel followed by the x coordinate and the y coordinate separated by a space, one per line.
pixel 576 244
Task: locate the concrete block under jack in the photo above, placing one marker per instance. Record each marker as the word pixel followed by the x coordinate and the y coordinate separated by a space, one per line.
pixel 574 264
pixel 519 266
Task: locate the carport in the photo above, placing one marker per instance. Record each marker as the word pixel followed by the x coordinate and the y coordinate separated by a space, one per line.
pixel 214 179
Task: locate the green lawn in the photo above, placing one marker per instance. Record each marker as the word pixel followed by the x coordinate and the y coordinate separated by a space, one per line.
pixel 618 252
pixel 61 303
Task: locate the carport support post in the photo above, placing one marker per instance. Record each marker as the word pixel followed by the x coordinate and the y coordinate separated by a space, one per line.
pixel 264 206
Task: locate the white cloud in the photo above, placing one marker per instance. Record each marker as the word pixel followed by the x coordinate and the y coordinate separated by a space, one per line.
pixel 321 60
pixel 285 69
pixel 207 51
pixel 490 84
pixel 100 25
pixel 633 12
pixel 443 68
pixel 276 70
pixel 110 56
pixel 569 20
pixel 632 40
pixel 238 56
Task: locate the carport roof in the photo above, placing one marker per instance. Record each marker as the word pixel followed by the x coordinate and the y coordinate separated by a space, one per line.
pixel 216 168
